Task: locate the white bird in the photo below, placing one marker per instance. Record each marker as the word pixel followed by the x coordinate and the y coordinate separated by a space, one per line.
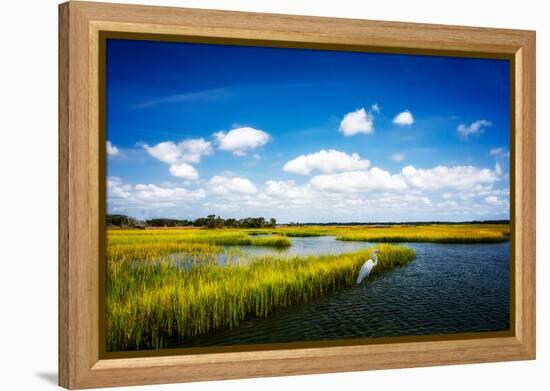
pixel 367 267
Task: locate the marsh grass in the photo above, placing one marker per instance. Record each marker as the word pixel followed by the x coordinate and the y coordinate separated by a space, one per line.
pixel 435 233
pixel 149 303
pixel 137 251
pixel 151 299
pixel 148 243
pixel 432 233
pixel 278 237
pixel 272 241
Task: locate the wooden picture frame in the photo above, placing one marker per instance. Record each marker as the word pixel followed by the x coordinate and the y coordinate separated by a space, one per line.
pixel 81 165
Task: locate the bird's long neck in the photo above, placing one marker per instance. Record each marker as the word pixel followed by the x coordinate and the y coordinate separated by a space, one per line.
pixel 375 258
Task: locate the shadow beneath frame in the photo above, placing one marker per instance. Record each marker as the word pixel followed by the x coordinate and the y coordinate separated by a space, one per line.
pixel 48 377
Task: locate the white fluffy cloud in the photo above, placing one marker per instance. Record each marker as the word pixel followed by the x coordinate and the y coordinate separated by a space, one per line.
pixel 458 177
pixel 286 190
pixel 447 204
pixel 410 178
pixel 231 185
pixel 493 200
pixel 157 194
pixel 404 118
pixel 326 162
pixel 116 189
pixel 358 121
pixel 145 195
pixel 184 171
pixel 358 181
pixel 239 140
pixel 179 155
pixel 373 194
pixel 477 127
pixel 397 157
pixel 112 150
pixel 186 151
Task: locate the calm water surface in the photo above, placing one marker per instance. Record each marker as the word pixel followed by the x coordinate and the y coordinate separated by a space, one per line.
pixel 449 288
pixel 300 246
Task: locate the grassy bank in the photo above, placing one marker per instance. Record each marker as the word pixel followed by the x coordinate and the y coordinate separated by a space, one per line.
pixel 151 243
pixel 435 233
pixel 150 302
pixel 431 233
pixel 459 233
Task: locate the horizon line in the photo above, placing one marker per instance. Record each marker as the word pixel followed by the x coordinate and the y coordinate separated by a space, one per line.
pixel 334 222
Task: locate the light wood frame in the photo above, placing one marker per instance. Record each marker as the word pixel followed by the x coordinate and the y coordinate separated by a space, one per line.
pixel 80 23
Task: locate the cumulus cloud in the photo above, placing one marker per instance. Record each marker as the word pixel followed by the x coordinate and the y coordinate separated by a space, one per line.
pixel 402 200
pixel 179 155
pixel 447 204
pixel 371 194
pixel 461 177
pixel 397 157
pixel 231 185
pixel 186 151
pixel 159 194
pixel 117 189
pixel 375 108
pixel 493 200
pixel 358 181
pixel 410 178
pixel 477 127
pixel 144 195
pixel 185 171
pixel 337 186
pixel 112 150
pixel 358 121
pixel 501 203
pixel 404 118
pixel 239 140
pixel 286 190
pixel 326 162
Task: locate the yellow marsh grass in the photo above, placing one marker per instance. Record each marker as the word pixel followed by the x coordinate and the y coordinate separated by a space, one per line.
pixel 127 244
pixel 224 237
pixel 152 302
pixel 436 233
pixel 432 233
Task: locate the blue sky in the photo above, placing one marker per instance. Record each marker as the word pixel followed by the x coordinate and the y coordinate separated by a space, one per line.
pixel 305 135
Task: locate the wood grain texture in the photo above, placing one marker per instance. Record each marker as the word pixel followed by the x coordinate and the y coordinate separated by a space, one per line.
pixel 528 189
pixel 80 365
pixel 63 221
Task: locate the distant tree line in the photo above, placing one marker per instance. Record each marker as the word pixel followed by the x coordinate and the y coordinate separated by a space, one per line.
pixel 168 223
pixel 385 223
pixel 213 221
pixel 210 221
pixel 124 221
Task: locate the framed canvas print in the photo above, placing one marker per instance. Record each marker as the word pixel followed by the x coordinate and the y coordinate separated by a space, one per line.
pixel 247 195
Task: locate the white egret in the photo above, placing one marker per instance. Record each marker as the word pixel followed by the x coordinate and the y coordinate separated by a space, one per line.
pixel 368 266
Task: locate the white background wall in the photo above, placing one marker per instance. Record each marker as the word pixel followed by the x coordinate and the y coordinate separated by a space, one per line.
pixel 28 194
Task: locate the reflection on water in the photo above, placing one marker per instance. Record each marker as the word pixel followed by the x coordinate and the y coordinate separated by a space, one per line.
pixel 300 246
pixel 449 288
